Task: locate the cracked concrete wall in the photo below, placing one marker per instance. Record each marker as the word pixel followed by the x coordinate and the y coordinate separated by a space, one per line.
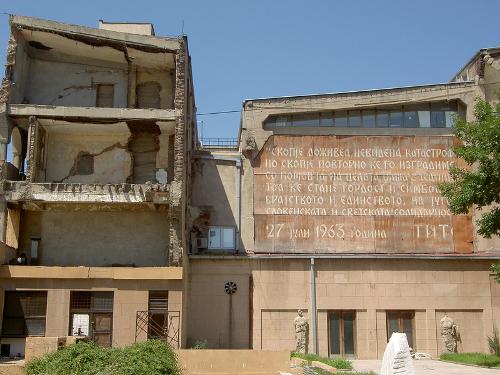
pixel 73 85
pixel 88 238
pixel 164 78
pixel 112 160
pixel 21 71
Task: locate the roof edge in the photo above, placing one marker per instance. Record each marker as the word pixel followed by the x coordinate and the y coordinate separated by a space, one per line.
pixel 445 84
pixel 32 23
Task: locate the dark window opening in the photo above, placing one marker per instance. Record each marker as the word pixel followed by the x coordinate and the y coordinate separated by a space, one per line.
pixel 84 163
pixel 24 314
pixel 402 322
pixel 105 95
pixel 342 333
pixel 158 310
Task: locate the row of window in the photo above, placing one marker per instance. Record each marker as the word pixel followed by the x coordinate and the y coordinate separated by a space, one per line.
pixel 91 313
pixel 429 115
pixel 342 330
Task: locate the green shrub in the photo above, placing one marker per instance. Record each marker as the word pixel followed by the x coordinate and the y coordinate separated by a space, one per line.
pixel 152 357
pixel 494 342
pixel 339 363
pixel 200 344
pixel 479 359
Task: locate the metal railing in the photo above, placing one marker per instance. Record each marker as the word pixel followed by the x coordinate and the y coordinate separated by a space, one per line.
pixel 219 143
pixel 161 325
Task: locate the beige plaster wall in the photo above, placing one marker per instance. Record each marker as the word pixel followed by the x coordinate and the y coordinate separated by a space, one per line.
pixel 369 286
pixel 112 161
pixel 97 238
pixel 73 84
pixel 214 185
pixel 209 305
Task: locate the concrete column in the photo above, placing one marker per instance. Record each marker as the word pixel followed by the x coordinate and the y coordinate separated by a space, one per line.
pixel 57 323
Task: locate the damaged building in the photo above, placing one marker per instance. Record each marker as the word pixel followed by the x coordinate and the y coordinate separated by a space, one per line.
pixel 118 224
pixel 99 125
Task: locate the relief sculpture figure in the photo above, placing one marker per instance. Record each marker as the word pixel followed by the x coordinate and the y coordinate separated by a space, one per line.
pixel 301 324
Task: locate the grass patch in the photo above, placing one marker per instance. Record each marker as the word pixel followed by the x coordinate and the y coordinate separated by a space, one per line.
pixel 152 357
pixel 479 359
pixel 339 363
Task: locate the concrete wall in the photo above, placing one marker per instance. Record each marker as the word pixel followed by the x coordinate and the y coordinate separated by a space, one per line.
pixel 112 160
pixel 214 185
pixel 73 84
pixel 163 77
pixel 370 287
pixel 96 238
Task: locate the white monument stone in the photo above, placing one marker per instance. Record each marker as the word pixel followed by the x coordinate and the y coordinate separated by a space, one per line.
pixel 397 358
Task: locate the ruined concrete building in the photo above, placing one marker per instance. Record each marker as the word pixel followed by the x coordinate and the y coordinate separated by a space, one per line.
pixel 326 203
pixel 100 125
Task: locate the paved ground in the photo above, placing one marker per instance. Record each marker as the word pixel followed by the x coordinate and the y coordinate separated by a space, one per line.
pixel 429 367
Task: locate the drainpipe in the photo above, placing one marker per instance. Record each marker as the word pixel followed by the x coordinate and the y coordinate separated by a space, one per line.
pixel 314 312
pixel 238 205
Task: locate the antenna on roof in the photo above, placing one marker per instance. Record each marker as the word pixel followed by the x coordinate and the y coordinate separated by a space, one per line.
pixel 182 31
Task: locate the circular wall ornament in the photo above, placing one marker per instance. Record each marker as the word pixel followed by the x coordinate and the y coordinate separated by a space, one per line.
pixel 230 287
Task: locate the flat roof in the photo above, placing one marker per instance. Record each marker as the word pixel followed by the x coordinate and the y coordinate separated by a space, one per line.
pixel 397 88
pixel 157 42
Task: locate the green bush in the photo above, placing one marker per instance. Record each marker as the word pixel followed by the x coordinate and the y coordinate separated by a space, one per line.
pixel 479 359
pixel 494 342
pixel 152 357
pixel 339 363
pixel 200 344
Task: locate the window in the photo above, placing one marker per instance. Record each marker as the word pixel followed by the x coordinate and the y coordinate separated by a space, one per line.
pixel 326 119
pixel 355 119
pixel 395 118
pixel 105 95
pixel 368 119
pixel 24 314
pixel 91 314
pixel 401 321
pixel 221 238
pixel 341 333
pixel 148 95
pixel 341 119
pixel 158 313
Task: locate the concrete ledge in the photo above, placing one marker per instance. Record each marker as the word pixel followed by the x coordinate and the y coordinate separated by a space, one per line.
pixel 209 361
pixel 32 23
pixel 98 113
pixel 16 191
pixel 114 273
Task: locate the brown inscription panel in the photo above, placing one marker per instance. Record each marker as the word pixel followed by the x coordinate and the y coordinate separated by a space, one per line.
pixel 356 194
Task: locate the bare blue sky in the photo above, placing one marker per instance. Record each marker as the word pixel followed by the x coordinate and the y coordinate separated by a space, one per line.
pixel 248 49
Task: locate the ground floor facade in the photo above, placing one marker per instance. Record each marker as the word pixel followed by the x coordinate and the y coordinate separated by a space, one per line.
pixel 359 302
pixel 113 306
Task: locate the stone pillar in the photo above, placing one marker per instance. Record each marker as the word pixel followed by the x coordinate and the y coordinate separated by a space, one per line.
pixel 57 323
pixel 32 149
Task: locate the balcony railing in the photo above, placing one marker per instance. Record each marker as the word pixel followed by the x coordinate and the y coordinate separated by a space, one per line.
pixel 219 143
pixel 160 325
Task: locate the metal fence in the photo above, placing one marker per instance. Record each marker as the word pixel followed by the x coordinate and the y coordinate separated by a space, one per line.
pixel 162 325
pixel 219 143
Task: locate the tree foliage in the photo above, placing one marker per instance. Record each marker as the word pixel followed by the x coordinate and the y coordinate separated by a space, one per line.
pixel 477 185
